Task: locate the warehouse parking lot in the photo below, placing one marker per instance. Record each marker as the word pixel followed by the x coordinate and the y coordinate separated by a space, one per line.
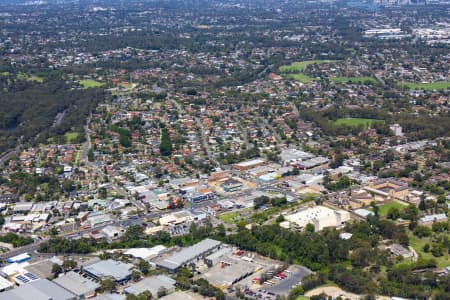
pixel 284 286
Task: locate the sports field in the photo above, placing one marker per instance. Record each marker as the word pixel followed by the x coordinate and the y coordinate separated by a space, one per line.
pixel 90 83
pixel 27 77
pixel 299 77
pixel 445 85
pixel 384 209
pixel 300 66
pixel 295 70
pixel 71 136
pixel 354 80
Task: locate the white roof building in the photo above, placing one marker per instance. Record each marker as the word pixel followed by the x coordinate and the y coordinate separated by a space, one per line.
pixel 320 216
pixel 145 253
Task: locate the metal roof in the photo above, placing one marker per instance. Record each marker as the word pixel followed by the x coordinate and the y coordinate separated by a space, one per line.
pixel 187 254
pixel 110 268
pixel 41 289
pixel 76 283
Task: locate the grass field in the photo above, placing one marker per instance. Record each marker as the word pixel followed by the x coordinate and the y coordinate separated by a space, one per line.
pixel 299 77
pixel 71 136
pixel 418 243
pixel 23 76
pixel 4 73
pixel 354 80
pixel 89 83
pixel 384 209
pixel 355 122
pixel 426 86
pixel 234 217
pixel 300 66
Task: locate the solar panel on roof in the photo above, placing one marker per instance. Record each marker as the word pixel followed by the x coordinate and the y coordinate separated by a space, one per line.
pixel 32 276
pixel 23 279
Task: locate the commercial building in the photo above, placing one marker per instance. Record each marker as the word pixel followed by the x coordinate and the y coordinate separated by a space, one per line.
pixel 152 284
pixel 116 270
pixel 41 289
pixel 430 219
pixel 176 218
pixel 5 284
pixel 319 216
pixel 292 156
pixel 229 271
pixel 189 254
pixel 217 256
pixel 231 185
pixel 249 164
pixel 78 285
pixel 145 253
pixel 388 189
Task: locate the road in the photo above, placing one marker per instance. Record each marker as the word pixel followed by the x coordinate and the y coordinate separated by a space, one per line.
pixel 274 132
pixel 7 156
pixel 248 145
pixel 34 246
pixel 204 140
pixel 129 221
pixel 87 143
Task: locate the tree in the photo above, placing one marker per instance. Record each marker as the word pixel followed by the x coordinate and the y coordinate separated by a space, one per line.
pixel 134 233
pixel 422 204
pixel 107 285
pixel 143 266
pixel 310 227
pixel 376 209
pixel 162 291
pixel 393 213
pixel 135 275
pixel 422 231
pixel 165 147
pixel 69 264
pixel 146 295
pixel 56 270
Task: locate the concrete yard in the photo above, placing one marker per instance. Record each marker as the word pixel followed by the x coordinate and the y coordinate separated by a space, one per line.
pixel 284 286
pixel 232 271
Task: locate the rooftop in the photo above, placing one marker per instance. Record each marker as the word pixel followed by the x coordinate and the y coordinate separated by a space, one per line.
pixel 187 254
pixel 110 268
pixel 41 289
pixel 76 283
pixel 151 284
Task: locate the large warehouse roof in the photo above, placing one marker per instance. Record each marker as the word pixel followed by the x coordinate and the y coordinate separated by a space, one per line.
pixel 110 268
pixel 41 289
pixel 187 254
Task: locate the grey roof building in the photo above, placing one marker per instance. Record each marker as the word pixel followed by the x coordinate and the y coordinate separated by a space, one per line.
pixel 186 255
pixel 117 270
pixel 75 283
pixel 152 284
pixel 41 289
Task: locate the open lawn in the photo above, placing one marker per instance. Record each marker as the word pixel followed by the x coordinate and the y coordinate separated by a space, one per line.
pixel 355 122
pixel 299 77
pixel 71 137
pixel 384 209
pixel 89 83
pixel 300 66
pixel 234 217
pixel 426 86
pixel 23 76
pixel 4 73
pixel 354 80
pixel 418 243
pixel 302 298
